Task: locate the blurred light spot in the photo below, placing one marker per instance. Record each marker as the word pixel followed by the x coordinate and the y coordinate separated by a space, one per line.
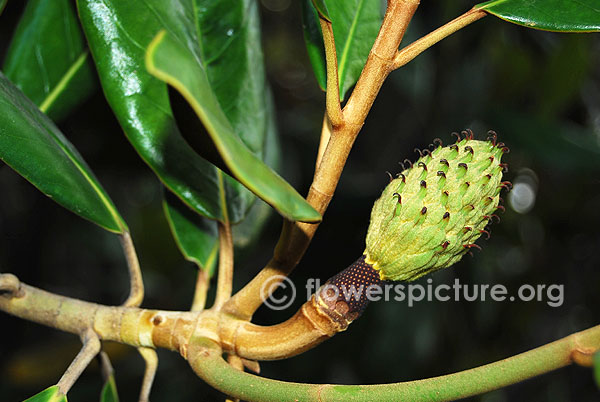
pixel 522 196
pixel 276 5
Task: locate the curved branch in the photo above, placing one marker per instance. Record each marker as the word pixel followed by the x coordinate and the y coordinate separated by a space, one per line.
pixel 310 326
pixel 91 347
pixel 206 360
pixel 136 283
pixel 195 337
pixel 225 279
pixel 332 97
pixel 151 364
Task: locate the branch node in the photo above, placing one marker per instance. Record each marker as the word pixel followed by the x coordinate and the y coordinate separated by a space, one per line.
pixel 10 286
pixel 583 356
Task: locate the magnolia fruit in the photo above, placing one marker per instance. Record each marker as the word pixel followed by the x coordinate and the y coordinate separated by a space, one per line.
pixel 432 213
pixel 426 219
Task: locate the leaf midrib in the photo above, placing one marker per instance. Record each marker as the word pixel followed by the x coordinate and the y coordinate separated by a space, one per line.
pixel 63 82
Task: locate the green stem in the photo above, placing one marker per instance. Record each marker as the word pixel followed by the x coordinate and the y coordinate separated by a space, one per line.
pixel 205 358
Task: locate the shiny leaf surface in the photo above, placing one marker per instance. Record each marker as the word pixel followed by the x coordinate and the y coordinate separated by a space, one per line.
pixel 118 33
pixel 33 146
pixel 48 59
pixel 548 15
pixel 228 35
pixel 175 63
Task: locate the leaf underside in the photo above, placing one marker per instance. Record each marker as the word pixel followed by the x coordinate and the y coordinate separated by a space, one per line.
pixel 548 15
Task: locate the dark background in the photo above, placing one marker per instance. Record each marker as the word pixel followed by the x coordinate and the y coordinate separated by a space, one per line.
pixel 539 90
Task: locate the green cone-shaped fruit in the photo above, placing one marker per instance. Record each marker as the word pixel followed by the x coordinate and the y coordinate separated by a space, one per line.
pixel 431 215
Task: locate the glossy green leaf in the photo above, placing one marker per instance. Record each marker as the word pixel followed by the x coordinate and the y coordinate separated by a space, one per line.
pixel 355 26
pixel 176 64
pixel 226 36
pixel 33 146
pixel 48 59
pixel 313 38
pixel 51 394
pixel 548 15
pixel 118 33
pixel 195 235
pixel 109 391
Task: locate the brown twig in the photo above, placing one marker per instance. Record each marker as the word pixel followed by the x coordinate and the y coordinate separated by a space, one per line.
pixel 326 131
pixel 202 285
pixel 411 51
pixel 225 279
pixel 136 283
pixel 332 97
pixel 91 347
